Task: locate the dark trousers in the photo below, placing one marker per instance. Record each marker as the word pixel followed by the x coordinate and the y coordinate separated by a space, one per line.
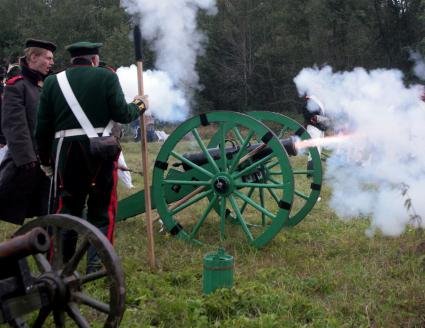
pixel 24 193
pixel 85 181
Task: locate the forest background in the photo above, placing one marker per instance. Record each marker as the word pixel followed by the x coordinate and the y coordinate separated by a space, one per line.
pixel 254 48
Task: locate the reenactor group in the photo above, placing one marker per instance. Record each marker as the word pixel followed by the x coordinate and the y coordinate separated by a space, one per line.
pixel 58 140
pixel 61 156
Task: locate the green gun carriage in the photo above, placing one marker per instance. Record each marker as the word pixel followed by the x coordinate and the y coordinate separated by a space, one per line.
pixel 232 171
pixel 217 174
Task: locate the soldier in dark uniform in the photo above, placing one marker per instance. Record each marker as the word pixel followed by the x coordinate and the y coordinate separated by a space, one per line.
pixel 316 123
pixel 23 186
pixel 2 76
pixel 12 71
pixel 83 178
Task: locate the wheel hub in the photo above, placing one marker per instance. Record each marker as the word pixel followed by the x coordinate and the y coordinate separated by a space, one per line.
pixel 57 288
pixel 222 184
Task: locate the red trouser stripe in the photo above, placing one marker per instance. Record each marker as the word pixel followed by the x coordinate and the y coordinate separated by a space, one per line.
pixel 112 208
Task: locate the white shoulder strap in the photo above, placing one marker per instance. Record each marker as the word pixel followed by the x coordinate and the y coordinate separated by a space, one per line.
pixel 108 129
pixel 75 105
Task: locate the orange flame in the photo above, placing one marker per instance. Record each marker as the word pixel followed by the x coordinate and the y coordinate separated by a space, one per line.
pixel 320 141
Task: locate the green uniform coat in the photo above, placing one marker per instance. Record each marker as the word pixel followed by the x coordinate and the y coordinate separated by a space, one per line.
pixel 100 95
pixel 82 176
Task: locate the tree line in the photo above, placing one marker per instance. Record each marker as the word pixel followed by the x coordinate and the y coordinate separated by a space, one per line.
pixel 255 48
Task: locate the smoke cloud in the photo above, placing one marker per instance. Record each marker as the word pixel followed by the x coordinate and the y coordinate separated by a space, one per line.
pixel 419 67
pixel 166 102
pixel 382 165
pixel 170 27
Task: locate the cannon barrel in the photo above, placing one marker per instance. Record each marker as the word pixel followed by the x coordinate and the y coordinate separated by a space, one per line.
pixel 35 241
pixel 199 158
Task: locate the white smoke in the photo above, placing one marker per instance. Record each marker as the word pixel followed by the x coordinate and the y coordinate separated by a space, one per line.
pixel 166 102
pixel 419 67
pixel 387 120
pixel 170 27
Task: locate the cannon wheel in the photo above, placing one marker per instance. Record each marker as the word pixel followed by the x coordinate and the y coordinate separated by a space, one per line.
pixel 68 286
pixel 310 193
pixel 221 183
pixel 306 191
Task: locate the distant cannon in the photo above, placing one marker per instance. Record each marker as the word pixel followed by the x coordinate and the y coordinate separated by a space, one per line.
pixel 36 276
pixel 236 168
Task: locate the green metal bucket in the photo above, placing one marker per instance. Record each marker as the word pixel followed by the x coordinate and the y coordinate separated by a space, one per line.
pixel 218 271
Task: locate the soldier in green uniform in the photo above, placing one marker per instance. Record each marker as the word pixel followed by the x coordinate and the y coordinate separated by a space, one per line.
pixel 82 178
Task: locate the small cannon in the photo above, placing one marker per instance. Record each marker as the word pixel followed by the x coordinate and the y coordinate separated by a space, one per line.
pixel 237 168
pixel 36 276
pixel 201 158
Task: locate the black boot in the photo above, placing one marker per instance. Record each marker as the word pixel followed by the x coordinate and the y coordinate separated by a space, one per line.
pixel 94 263
pixel 69 243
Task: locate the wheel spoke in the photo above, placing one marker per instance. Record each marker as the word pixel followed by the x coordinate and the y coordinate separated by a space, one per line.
pixel 191 201
pixel 76 258
pixel 59 317
pixel 191 164
pixel 282 132
pixel 182 201
pixel 261 194
pixel 255 205
pixel 42 316
pixel 222 146
pixel 187 182
pixel 75 314
pixel 274 181
pixel 203 217
pixel 249 194
pixel 91 302
pixel 238 135
pixel 302 171
pixel 240 218
pixel 205 150
pixel 42 263
pixel 300 194
pixel 57 260
pixel 273 194
pixel 275 185
pixel 276 173
pixel 241 151
pixel 252 166
pixel 93 276
pixel 271 165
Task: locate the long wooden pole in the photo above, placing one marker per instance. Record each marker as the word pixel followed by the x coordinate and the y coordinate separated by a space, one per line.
pixel 143 141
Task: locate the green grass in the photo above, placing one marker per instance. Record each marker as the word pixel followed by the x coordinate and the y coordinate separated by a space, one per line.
pixel 324 272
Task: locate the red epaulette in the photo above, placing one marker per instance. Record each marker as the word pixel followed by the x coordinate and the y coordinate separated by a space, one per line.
pixel 13 80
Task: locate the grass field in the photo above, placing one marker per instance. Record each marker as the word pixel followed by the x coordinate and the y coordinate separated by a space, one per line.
pixel 324 272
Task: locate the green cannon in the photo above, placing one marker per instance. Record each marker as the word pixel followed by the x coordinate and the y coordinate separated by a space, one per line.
pixel 226 172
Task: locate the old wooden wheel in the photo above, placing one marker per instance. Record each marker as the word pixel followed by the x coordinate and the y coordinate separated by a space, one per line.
pixel 87 299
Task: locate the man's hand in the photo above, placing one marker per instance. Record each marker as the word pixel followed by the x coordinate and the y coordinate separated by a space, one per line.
pixel 29 165
pixel 321 122
pixel 48 170
pixel 142 102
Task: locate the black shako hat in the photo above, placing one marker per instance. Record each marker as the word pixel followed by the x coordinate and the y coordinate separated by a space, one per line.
pixel 84 48
pixel 29 43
